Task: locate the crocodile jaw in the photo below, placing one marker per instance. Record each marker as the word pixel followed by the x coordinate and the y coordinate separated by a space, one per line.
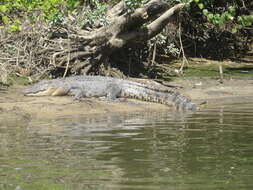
pixel 46 92
pixel 59 92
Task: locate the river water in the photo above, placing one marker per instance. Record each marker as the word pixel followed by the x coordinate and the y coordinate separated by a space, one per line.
pixel 210 149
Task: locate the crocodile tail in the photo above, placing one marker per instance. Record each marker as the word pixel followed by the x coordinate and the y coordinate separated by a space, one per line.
pixel 183 103
pixel 169 98
pixel 176 99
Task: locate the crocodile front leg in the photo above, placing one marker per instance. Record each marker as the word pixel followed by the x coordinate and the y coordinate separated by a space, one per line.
pixel 78 93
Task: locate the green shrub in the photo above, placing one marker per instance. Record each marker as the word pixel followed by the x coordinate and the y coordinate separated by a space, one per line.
pixel 12 11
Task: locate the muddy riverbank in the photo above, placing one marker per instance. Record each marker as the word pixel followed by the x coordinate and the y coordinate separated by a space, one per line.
pixel 14 105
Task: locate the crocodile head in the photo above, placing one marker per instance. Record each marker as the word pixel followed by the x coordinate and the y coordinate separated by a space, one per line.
pixel 45 88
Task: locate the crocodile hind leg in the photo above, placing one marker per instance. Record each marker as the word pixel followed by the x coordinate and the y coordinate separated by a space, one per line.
pixel 113 92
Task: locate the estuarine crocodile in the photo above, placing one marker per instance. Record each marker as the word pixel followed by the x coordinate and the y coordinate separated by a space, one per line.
pixel 110 88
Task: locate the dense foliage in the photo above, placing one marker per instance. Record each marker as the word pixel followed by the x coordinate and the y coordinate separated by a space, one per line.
pixel 216 28
pixel 12 11
pixel 226 14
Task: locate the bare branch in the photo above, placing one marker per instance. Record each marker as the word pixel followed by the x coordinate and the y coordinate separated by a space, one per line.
pixel 116 10
pixel 153 28
pixel 156 26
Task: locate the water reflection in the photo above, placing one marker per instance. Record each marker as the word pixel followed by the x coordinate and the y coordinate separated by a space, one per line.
pixel 211 149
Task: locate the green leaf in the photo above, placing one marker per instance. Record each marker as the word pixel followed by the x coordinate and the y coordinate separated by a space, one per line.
pixel 239 20
pixel 247 23
pixel 205 12
pixel 248 18
pixel 210 16
pixel 3 8
pixel 231 9
pixel 5 19
pixel 222 20
pixel 201 5
pixel 234 30
pixel 14 27
pixel 217 16
pixel 230 17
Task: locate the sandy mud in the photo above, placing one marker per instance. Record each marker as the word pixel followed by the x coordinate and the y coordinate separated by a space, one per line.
pixel 208 91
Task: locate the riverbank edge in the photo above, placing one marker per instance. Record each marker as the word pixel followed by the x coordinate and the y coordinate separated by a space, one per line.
pixel 206 91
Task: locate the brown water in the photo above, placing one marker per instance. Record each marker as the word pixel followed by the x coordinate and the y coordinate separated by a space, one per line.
pixel 210 149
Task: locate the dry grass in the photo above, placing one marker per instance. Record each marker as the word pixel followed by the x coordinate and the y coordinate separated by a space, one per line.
pixel 3 74
pixel 33 51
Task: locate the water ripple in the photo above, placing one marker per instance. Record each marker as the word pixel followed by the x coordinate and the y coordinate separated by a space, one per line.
pixel 210 149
